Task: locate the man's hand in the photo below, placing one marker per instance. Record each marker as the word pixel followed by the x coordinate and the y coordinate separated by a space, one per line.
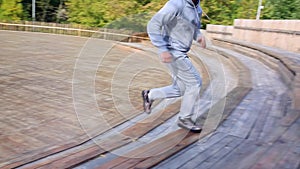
pixel 201 40
pixel 166 57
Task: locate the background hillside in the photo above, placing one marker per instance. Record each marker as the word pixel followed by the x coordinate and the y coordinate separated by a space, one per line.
pixel 134 14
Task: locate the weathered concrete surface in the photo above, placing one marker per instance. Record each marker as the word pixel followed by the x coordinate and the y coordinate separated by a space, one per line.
pixel 282 34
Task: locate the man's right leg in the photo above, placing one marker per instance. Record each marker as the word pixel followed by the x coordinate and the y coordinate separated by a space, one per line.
pixel 159 93
pixel 165 92
pixel 192 81
pixel 174 90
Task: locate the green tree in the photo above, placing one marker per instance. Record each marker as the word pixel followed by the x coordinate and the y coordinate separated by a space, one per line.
pixel 46 10
pixel 281 9
pixel 136 23
pixel 61 14
pixel 246 9
pixel 88 12
pixel 11 10
pixel 219 12
pixel 143 2
pixel 153 6
pixel 99 12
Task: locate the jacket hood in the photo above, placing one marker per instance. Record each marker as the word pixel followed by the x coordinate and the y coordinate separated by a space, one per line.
pixel 191 3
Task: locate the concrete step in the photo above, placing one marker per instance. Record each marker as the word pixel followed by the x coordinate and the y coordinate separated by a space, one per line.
pixel 122 157
pixel 259 137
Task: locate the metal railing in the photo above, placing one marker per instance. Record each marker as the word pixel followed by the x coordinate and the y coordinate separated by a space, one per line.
pixel 75 30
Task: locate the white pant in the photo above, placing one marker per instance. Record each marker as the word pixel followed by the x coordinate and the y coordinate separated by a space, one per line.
pixel 186 82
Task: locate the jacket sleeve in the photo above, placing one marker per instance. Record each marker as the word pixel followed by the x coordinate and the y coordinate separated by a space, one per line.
pixel 198 34
pixel 155 25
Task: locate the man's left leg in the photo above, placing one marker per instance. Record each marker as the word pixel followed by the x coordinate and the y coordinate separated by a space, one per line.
pixel 190 78
pixel 189 109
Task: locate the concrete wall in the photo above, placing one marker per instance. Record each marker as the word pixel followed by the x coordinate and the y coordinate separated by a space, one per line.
pixel 219 31
pixel 284 34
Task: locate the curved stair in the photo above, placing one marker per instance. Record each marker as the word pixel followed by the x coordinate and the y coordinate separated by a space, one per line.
pixel 250 108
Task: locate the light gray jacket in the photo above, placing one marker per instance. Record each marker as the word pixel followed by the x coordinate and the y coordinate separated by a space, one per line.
pixel 175 26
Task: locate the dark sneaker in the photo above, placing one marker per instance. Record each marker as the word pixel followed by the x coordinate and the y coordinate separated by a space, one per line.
pixel 188 124
pixel 146 102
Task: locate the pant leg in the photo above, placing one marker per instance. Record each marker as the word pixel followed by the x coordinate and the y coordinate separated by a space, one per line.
pixel 190 103
pixel 188 75
pixel 165 92
pixel 174 90
pixel 186 82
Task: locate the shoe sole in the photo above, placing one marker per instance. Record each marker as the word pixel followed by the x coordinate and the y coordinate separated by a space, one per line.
pixel 144 103
pixel 190 128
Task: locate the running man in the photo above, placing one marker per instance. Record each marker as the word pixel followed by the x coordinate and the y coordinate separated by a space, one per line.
pixel 172 30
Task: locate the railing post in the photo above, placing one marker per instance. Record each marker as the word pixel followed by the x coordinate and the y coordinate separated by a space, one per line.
pixel 259 10
pixel 105 30
pixel 79 30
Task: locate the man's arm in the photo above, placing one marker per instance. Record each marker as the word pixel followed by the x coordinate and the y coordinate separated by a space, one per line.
pixel 155 25
pixel 199 37
pixel 201 40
